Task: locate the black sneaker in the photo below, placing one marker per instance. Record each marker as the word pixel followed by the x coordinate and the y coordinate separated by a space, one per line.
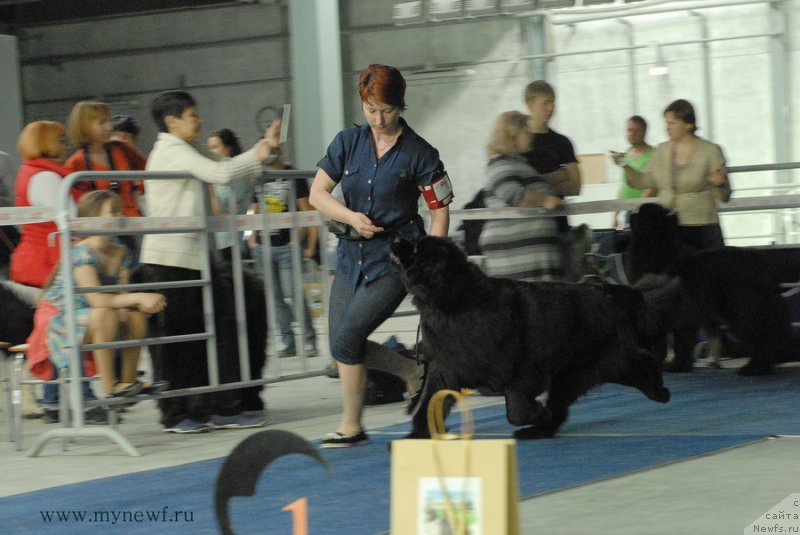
pixel 50 416
pixel 93 416
pixel 97 416
pixel 338 440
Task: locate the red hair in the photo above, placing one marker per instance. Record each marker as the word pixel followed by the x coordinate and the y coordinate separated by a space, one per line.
pixel 382 84
pixel 41 139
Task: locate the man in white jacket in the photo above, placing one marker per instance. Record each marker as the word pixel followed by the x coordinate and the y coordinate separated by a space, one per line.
pixel 171 257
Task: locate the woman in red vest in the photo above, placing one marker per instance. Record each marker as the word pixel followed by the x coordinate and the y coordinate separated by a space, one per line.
pixel 39 184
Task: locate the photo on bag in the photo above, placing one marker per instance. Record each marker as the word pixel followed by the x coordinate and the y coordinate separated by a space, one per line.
pixel 462 495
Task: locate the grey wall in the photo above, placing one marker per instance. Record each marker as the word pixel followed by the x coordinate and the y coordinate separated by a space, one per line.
pixel 10 96
pixel 235 60
pixel 456 111
pixel 593 95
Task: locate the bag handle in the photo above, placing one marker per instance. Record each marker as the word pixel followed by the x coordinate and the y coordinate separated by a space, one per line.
pixel 436 417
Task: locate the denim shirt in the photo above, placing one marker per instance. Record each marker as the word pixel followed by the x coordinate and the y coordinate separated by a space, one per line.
pixel 384 189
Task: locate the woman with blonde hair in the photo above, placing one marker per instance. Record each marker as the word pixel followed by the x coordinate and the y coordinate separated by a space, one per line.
pixel 99 317
pixel 523 249
pixel 89 129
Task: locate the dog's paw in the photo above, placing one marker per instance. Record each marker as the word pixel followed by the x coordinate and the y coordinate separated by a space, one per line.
pixel 418 434
pixel 541 415
pixel 755 368
pixel 533 433
pixel 662 394
pixel 678 367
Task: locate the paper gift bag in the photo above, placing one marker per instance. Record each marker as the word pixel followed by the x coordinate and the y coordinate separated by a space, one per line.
pixel 452 484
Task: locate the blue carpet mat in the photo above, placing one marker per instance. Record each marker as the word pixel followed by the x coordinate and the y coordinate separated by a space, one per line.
pixel 611 432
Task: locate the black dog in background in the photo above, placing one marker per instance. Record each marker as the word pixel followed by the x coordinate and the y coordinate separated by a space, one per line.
pixel 731 285
pixel 522 338
pixel 17 307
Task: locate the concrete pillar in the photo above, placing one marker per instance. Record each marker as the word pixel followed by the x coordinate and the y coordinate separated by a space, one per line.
pixel 537 35
pixel 316 63
pixel 10 96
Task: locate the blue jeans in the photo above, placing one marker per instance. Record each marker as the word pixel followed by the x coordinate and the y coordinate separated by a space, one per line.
pixel 50 393
pixel 283 284
pixel 354 314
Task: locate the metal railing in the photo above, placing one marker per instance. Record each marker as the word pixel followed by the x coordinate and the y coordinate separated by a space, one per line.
pixel 264 223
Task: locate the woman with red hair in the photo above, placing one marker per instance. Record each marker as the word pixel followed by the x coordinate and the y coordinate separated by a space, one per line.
pixel 382 168
pixel 38 184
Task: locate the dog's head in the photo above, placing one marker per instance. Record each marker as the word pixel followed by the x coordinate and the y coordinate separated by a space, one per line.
pixel 433 269
pixel 654 224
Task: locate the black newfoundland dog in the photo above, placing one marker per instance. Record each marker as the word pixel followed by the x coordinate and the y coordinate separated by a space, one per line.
pixel 522 338
pixel 734 286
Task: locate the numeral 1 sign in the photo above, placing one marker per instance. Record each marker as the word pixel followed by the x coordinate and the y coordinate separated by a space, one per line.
pixel 299 509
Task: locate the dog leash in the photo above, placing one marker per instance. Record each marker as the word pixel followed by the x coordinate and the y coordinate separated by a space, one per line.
pixel 416 343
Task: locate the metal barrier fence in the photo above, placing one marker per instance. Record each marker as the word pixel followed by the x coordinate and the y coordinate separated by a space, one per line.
pixel 265 223
pixel 736 204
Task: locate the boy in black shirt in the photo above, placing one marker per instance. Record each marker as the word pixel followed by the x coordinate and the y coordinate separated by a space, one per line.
pixel 552 156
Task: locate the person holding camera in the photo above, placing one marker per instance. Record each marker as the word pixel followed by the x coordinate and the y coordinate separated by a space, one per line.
pixel 89 129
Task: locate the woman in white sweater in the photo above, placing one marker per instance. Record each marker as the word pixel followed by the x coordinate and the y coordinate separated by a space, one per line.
pixel 173 257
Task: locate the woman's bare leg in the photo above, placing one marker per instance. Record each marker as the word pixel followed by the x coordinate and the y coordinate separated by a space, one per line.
pixel 103 327
pixel 353 379
pixel 137 329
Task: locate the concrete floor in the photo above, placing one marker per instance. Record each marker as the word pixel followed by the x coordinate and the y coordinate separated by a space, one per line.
pixel 720 493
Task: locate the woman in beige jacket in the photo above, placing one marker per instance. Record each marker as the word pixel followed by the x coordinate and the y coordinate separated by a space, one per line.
pixel 688 175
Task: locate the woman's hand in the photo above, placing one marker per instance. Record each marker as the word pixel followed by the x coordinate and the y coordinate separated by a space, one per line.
pixel 151 303
pixel 273 133
pixel 269 144
pixel 363 225
pixel 551 202
pixel 716 178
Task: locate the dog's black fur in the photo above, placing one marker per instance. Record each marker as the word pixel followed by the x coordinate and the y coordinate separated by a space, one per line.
pixel 17 307
pixel 522 338
pixel 731 285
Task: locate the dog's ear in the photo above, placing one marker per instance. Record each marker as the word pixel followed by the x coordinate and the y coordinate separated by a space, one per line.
pixel 634 222
pixel 672 217
pixel 402 252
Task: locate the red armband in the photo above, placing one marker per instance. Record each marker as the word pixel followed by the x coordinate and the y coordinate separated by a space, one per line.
pixel 438 193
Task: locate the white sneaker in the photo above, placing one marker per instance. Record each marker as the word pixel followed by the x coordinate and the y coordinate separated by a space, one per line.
pixel 310 349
